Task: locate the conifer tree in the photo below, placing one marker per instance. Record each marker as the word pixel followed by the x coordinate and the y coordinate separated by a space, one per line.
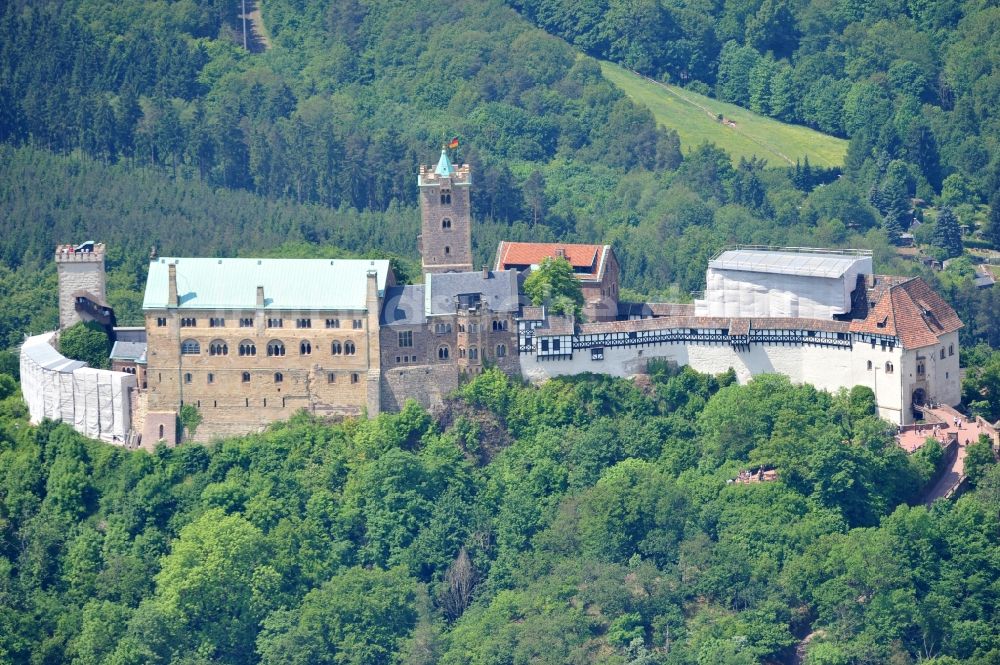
pixel 948 235
pixel 992 230
pixel 893 223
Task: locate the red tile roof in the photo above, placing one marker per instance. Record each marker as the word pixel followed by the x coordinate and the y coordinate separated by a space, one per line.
pixel 671 309
pixel 521 254
pixel 739 327
pixel 908 309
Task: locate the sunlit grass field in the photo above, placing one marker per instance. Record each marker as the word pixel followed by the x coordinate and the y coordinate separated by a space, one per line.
pixel 743 134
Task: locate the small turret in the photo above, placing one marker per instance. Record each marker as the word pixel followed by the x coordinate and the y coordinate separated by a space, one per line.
pixel 81 281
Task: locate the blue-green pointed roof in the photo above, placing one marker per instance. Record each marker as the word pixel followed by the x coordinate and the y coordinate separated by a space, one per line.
pixel 444 167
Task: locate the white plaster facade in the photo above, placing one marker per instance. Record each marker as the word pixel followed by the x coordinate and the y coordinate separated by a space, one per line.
pixel 826 368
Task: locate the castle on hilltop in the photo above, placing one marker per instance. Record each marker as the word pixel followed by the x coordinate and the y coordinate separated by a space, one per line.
pixel 251 341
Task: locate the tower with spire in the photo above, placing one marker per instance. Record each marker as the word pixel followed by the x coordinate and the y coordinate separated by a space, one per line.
pixel 445 241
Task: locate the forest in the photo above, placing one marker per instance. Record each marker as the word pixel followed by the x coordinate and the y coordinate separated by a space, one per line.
pixel 585 521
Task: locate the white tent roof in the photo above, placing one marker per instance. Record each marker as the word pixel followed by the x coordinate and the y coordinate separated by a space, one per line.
pixel 40 350
pixel 811 264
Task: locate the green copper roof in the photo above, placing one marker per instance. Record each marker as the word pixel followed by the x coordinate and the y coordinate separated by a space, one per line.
pixel 444 167
pixel 289 284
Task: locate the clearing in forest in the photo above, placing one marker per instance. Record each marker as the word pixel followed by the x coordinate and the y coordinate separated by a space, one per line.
pixel 742 133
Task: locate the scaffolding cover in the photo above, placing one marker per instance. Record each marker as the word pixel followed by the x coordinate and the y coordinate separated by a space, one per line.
pixel 96 402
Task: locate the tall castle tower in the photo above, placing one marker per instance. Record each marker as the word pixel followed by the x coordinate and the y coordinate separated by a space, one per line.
pixel 81 276
pixel 445 242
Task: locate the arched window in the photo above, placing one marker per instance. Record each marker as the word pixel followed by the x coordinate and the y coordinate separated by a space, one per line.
pixel 246 377
pixel 190 347
pixel 461 352
pixel 442 353
pixel 473 353
pixel 445 223
pixel 211 378
pixel 888 367
pixel 305 348
pixel 869 365
pixel 187 377
pixel 161 431
pixel 446 197
pixel 349 349
pixel 218 348
pixel 447 250
pixel 951 349
pixel 275 348
pixel 278 377
pixel 336 349
pixel 942 353
pixel 501 350
pixel 248 348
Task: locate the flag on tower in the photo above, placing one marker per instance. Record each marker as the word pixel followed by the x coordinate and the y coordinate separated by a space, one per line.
pixel 452 144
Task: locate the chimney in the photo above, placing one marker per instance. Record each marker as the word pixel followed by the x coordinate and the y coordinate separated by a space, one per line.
pixel 172 300
pixel 486 271
pixel 260 297
pixel 561 252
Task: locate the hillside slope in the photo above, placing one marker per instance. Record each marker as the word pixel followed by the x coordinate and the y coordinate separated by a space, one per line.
pixel 742 133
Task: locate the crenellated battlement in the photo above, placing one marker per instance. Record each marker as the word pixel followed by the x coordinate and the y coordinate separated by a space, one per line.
pixel 89 251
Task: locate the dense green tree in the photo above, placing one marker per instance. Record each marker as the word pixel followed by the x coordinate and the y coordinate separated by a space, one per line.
pixel 88 342
pixel 217 585
pixel 736 65
pixel 992 228
pixel 979 456
pixel 359 616
pixel 554 285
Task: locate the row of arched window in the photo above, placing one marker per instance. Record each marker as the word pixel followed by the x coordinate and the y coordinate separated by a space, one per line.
pixel 275 348
pixel 472 354
pixel 331 377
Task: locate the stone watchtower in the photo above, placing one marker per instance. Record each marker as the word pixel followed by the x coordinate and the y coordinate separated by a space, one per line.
pixel 81 279
pixel 445 242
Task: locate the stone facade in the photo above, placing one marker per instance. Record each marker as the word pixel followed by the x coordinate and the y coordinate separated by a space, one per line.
pixel 245 369
pixel 427 385
pixel 81 270
pixel 445 241
pixel 600 297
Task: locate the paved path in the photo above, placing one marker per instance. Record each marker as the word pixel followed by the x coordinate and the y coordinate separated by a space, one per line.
pixel 949 480
pixel 950 423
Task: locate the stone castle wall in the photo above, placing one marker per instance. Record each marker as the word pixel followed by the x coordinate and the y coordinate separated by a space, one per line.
pixel 428 385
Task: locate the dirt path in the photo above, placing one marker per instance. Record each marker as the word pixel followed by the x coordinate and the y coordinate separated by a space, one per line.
pixel 257 37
